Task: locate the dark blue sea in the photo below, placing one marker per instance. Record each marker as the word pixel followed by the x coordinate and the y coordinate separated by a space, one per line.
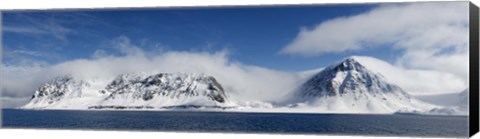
pixel 183 121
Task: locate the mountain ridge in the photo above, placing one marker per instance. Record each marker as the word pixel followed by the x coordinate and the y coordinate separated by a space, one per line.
pixel 344 87
pixel 133 89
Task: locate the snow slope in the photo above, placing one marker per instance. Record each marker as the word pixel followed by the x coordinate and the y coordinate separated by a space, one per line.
pixel 60 92
pixel 349 87
pixel 355 85
pixel 134 90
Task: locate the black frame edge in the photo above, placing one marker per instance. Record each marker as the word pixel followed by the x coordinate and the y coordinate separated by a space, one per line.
pixel 474 69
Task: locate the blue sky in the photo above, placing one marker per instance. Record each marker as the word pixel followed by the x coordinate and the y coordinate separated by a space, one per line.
pixel 252 35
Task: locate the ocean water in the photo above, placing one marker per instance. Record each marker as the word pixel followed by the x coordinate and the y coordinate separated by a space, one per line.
pixel 184 121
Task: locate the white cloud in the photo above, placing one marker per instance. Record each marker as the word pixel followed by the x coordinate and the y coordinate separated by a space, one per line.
pixel 430 35
pixel 58 31
pixel 58 26
pixel 125 46
pixel 99 53
pixel 31 53
pixel 21 29
pixel 414 81
pixel 48 28
pixel 19 82
pixel 244 82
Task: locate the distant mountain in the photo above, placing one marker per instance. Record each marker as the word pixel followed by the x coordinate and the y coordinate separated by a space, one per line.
pixel 464 98
pixel 348 86
pixel 461 107
pixel 135 90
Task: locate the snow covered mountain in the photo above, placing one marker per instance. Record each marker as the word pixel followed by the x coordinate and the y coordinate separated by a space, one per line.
pixel 350 87
pixel 165 90
pixel 56 91
pixel 345 87
pixel 131 91
pixel 346 77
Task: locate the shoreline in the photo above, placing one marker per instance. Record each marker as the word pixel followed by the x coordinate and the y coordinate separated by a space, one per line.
pixel 251 111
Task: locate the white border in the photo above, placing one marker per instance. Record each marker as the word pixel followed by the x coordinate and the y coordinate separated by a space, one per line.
pixel 88 4
pixel 77 134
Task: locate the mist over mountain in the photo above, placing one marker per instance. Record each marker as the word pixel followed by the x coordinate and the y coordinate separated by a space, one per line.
pixel 344 87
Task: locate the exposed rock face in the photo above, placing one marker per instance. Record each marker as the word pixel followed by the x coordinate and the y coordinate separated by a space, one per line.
pixel 348 76
pixel 57 89
pixel 130 91
pixel 350 87
pixel 172 86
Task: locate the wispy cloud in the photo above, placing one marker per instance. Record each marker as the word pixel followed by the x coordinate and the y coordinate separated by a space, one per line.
pixel 58 31
pixel 35 26
pixel 30 53
pixel 24 58
pixel 23 29
pixel 58 26
pixel 431 35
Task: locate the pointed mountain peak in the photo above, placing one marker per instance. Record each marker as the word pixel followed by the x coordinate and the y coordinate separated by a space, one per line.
pixel 348 64
pixel 348 77
pixel 350 60
pixel 64 78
